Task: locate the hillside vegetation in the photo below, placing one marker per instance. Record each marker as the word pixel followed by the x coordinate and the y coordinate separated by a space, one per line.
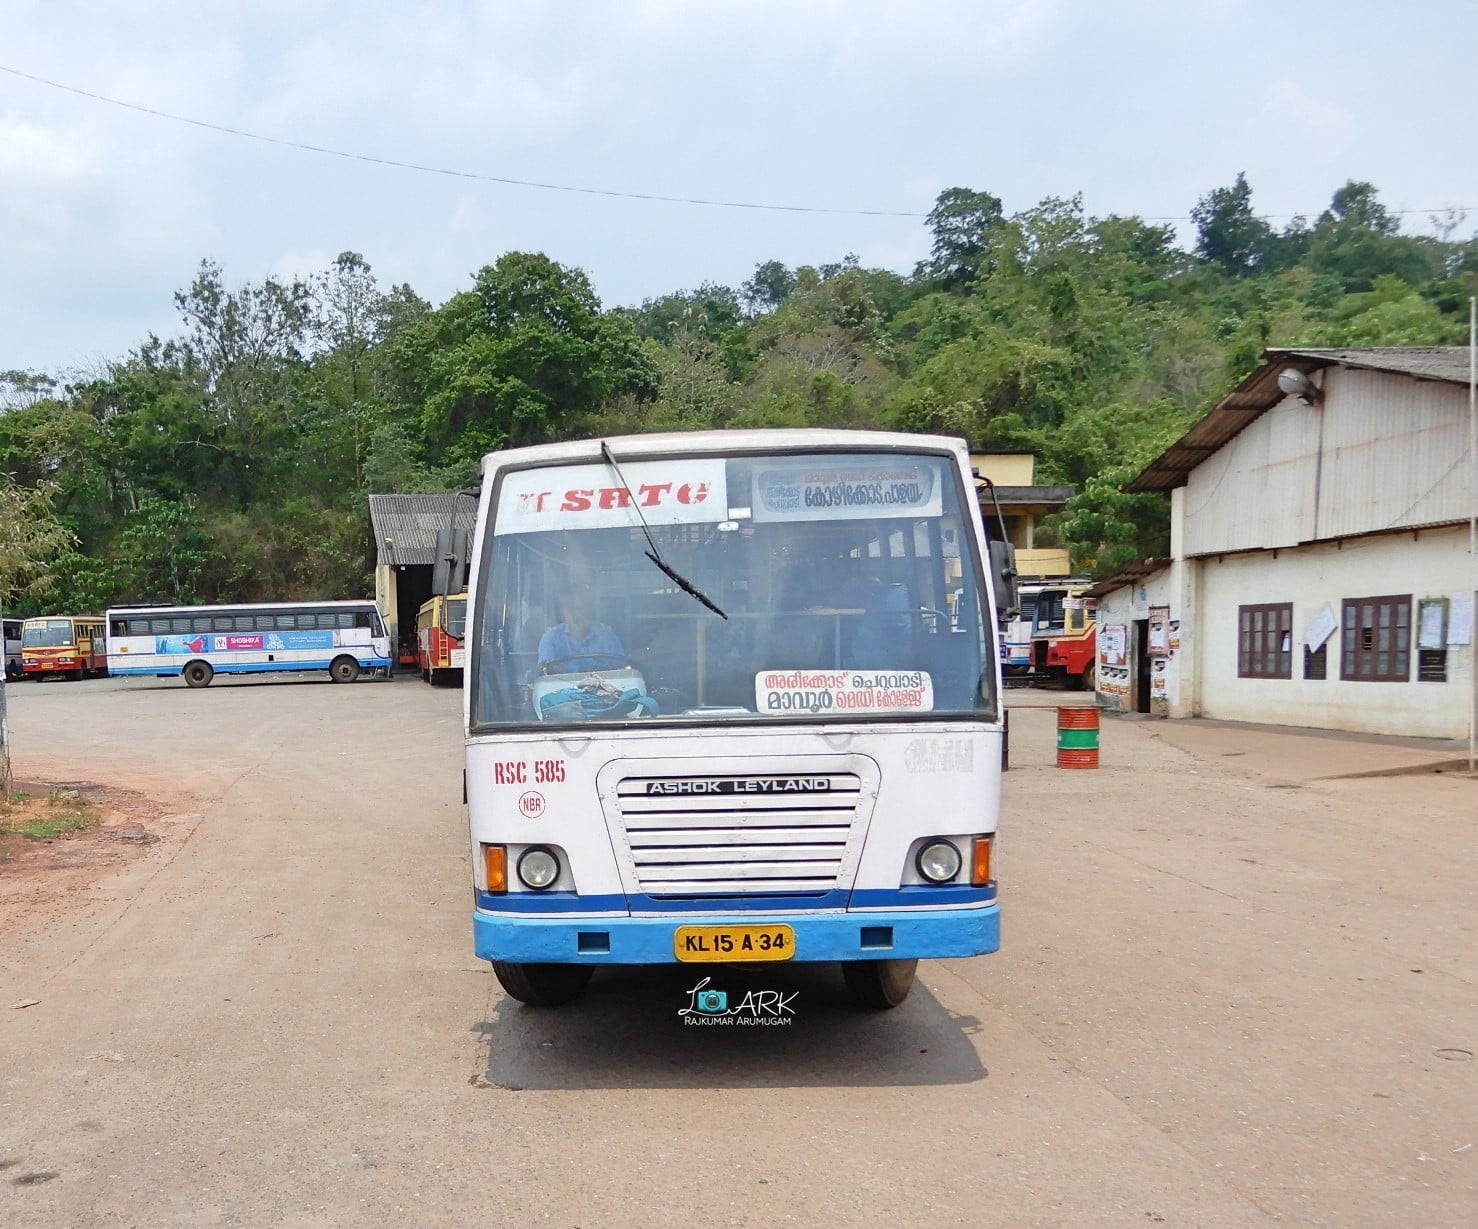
pixel 231 461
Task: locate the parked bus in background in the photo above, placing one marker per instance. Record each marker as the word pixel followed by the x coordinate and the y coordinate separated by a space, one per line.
pixel 12 633
pixel 1016 634
pixel 719 708
pixel 63 646
pixel 1064 635
pixel 199 642
pixel 441 629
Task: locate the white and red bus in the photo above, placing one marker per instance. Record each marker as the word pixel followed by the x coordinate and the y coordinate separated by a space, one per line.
pixel 732 697
pixel 441 629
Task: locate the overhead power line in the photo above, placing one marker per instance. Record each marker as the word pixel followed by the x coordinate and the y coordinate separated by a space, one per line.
pixel 456 174
pixel 556 187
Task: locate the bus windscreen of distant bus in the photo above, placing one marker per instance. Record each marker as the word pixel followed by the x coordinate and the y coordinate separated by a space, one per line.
pixel 456 617
pixel 47 634
pixel 833 573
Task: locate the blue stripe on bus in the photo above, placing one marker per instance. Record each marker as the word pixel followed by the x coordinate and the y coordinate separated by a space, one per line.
pixel 884 935
pixel 958 895
pixel 367 662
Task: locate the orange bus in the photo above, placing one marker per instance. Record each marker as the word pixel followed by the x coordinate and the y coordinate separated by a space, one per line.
pixel 65 646
pixel 441 627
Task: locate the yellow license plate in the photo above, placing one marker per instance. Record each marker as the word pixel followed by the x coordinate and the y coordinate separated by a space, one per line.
pixel 699 944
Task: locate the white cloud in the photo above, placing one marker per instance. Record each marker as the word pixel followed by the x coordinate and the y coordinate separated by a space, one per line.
pixel 871 104
pixel 1318 128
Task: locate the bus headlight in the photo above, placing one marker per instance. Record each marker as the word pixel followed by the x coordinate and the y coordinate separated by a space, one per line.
pixel 537 868
pixel 938 862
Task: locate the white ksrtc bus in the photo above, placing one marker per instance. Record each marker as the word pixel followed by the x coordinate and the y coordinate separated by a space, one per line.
pixel 720 707
pixel 199 642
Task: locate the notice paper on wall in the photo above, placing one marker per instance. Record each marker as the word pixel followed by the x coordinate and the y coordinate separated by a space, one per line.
pixel 1460 619
pixel 1320 627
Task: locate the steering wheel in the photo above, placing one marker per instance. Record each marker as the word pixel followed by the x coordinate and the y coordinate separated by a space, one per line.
pixel 610 661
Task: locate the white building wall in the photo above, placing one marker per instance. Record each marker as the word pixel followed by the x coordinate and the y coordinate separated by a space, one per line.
pixel 1427 563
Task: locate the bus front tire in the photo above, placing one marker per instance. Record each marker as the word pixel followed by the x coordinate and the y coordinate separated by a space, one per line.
pixel 543 985
pixel 198 674
pixel 879 983
pixel 344 670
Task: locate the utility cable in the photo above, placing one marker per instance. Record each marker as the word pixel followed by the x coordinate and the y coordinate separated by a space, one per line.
pixel 441 170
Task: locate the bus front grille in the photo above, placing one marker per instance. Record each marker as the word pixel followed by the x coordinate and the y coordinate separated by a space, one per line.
pixel 737 834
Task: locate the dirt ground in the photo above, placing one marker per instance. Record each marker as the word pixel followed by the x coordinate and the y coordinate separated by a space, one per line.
pixel 1235 988
pixel 43 874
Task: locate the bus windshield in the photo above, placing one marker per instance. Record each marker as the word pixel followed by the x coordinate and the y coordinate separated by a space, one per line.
pixel 849 587
pixel 47 633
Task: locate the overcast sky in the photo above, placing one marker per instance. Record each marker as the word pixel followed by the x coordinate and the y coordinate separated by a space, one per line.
pixel 1141 105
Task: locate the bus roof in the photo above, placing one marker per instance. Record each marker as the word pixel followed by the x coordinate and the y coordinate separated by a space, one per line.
pixel 681 443
pixel 224 607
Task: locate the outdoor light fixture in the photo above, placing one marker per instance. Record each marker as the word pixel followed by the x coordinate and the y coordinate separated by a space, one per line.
pixel 1294 383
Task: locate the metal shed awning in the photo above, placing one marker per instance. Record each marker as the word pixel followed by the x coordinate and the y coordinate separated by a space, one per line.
pixel 405 526
pixel 1259 392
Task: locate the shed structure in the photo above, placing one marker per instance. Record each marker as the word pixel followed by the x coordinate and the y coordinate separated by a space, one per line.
pixel 1320 572
pixel 404 530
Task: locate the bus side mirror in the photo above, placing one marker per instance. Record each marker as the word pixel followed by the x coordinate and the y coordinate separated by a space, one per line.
pixel 449 575
pixel 1003 579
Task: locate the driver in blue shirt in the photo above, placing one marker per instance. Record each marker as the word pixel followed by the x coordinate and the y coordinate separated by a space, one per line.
pixel 579 643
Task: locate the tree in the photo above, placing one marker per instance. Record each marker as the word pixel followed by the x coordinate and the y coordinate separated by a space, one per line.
pixel 509 362
pixel 710 311
pixel 245 349
pixel 348 319
pixel 162 552
pixel 1228 234
pixel 30 537
pixel 24 388
pixel 1108 528
pixel 961 222
pixel 1356 241
pixel 1357 204
pixel 768 288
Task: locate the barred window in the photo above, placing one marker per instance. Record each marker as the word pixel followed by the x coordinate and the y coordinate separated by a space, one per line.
pixel 1265 641
pixel 1316 661
pixel 1375 640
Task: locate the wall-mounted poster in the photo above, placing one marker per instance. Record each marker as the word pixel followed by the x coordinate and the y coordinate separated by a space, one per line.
pixel 1460 619
pixel 1113 642
pixel 1174 636
pixel 1113 683
pixel 1159 631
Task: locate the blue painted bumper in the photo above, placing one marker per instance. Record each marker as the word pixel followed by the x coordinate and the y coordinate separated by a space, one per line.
pixel 615 939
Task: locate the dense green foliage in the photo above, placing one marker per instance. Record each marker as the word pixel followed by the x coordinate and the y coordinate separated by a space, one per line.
pixel 232 460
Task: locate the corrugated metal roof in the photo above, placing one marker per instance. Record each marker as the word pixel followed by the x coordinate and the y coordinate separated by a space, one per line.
pixel 1259 392
pixel 1446 363
pixel 1028 496
pixel 1122 580
pixel 405 526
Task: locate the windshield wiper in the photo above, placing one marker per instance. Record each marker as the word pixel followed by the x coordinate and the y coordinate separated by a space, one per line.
pixel 681 581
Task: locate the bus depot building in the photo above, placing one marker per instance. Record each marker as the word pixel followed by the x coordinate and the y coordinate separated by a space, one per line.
pixel 404 531
pixel 1320 573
